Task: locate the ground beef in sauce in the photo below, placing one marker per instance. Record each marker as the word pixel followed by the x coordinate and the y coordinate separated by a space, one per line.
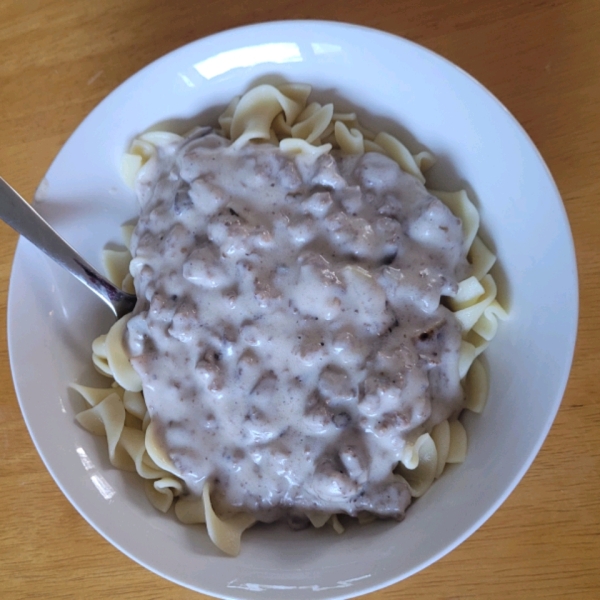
pixel 289 332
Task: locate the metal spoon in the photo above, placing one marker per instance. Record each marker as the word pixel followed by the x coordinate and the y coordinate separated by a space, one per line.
pixel 23 218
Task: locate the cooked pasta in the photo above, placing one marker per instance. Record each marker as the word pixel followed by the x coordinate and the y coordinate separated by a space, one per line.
pixel 282 116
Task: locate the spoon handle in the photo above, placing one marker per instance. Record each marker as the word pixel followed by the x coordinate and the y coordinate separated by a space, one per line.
pixel 23 218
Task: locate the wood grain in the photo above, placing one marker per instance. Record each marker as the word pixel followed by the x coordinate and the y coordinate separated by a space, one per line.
pixel 541 59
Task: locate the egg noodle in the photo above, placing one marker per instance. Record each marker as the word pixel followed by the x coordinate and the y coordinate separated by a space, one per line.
pixel 283 116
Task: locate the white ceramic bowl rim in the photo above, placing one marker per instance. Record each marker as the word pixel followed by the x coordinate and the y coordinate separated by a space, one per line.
pixel 51 320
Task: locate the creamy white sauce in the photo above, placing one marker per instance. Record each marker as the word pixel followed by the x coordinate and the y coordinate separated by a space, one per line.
pixel 288 331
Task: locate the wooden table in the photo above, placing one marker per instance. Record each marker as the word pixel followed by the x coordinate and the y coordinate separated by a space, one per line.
pixel 59 58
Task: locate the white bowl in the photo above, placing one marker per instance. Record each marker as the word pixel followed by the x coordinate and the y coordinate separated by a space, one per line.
pixel 399 87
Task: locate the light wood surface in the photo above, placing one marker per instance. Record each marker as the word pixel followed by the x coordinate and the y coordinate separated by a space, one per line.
pixel 59 58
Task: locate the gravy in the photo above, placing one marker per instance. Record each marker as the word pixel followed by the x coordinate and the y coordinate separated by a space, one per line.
pixel 288 331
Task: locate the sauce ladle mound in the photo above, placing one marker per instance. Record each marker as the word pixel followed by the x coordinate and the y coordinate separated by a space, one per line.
pixel 16 212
